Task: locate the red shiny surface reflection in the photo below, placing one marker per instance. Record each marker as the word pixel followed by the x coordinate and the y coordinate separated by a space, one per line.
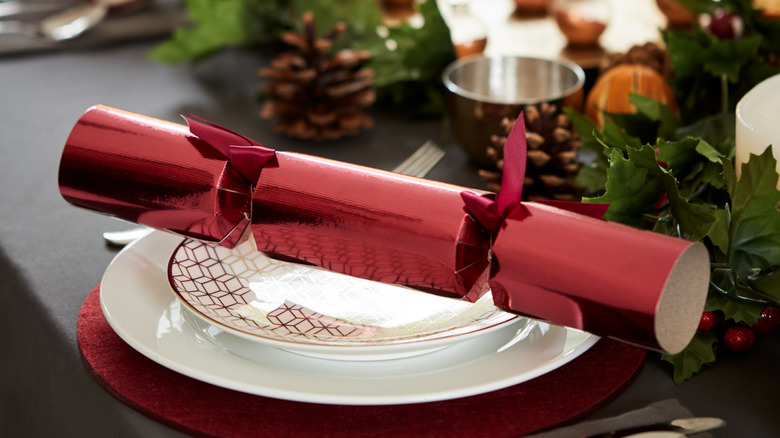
pixel 152 172
pixel 594 275
pixel 369 223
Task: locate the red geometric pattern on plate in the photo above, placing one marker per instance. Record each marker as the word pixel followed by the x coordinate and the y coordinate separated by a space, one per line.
pixel 305 321
pixel 242 289
pixel 218 287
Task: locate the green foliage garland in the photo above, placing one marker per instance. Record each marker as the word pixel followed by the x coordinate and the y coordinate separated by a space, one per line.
pixel 678 177
pixel 407 59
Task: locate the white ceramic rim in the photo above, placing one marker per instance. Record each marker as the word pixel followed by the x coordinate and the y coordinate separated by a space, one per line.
pixel 136 298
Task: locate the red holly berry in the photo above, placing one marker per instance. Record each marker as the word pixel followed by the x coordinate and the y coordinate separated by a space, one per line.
pixel 738 338
pixel 723 24
pixel 767 322
pixel 708 321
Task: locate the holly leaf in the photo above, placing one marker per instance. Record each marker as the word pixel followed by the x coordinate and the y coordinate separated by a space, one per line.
pixel 593 175
pixel 406 60
pixel 755 219
pixel 694 220
pixel 729 174
pixel 682 154
pixel 719 131
pixel 653 109
pixel 728 57
pixel 719 231
pixel 634 186
pixel 768 283
pixel 586 130
pixel 771 31
pixel 652 119
pixel 629 191
pixel 613 136
pixel 699 352
pixel 697 6
pixel 734 310
pixel 409 61
pixel 685 51
pixel 215 25
pixel 695 162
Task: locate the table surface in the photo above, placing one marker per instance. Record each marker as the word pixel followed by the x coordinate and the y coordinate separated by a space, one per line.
pixel 52 254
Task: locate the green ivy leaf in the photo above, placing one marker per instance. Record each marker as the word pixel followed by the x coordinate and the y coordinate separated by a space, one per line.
pixel 699 352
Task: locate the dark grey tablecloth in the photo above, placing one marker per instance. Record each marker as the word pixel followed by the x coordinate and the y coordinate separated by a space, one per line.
pixel 52 254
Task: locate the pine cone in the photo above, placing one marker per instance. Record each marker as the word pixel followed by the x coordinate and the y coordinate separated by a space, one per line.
pixel 552 163
pixel 315 95
pixel 649 54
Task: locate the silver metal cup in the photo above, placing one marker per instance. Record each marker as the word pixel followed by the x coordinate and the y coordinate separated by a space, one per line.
pixel 481 91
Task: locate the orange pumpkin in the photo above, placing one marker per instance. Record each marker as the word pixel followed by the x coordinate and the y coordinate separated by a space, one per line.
pixel 611 91
pixel 770 9
pixel 677 15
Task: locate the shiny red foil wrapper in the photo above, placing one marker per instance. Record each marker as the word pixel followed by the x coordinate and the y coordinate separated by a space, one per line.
pixel 545 262
pixel 602 277
pixel 371 224
pixel 152 172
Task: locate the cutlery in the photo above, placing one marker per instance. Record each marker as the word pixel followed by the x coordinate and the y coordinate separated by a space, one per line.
pixel 680 427
pixel 20 7
pixel 418 164
pixel 421 161
pixel 60 26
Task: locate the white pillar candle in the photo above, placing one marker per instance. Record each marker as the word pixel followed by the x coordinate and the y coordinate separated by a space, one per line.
pixel 758 122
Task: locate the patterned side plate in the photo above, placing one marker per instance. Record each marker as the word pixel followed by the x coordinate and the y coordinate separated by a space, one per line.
pixel 312 311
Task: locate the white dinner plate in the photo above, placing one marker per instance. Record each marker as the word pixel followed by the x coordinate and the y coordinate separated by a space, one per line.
pixel 313 311
pixel 141 307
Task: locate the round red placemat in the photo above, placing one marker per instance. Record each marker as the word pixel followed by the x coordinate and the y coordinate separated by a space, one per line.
pixel 202 409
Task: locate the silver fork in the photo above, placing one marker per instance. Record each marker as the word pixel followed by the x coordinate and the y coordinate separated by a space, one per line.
pixel 418 164
pixel 421 161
